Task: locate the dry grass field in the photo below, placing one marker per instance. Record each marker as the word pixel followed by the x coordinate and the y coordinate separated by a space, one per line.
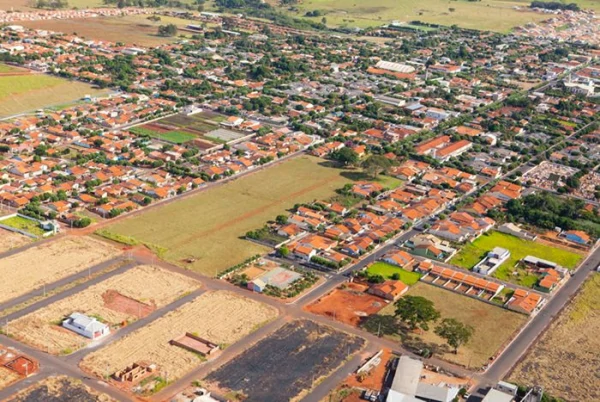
pixel 493 325
pixel 60 388
pixel 131 30
pixel 42 328
pixel 565 360
pixel 7 377
pixel 49 262
pixel 208 226
pixel 10 240
pixel 220 317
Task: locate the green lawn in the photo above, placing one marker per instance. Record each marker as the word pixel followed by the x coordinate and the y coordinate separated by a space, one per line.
pixel 5 68
pixel 177 137
pixel 24 224
pixel 387 270
pixel 472 253
pixel 208 227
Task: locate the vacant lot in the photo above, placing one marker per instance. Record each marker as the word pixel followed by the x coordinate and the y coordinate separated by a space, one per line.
pixel 60 389
pixel 220 317
pixel 297 355
pixel 387 270
pixel 10 240
pixel 47 263
pixel 494 326
pixel 7 377
pixel 565 360
pixel 494 15
pixel 131 29
pixel 472 253
pixel 349 304
pixel 208 226
pixel 114 301
pixel 24 224
pixel 24 93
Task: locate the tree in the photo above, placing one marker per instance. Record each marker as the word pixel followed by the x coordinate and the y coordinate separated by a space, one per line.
pixel 167 30
pixel 416 311
pixel 454 332
pixel 121 4
pixel 281 219
pixel 346 156
pixel 283 251
pixel 376 164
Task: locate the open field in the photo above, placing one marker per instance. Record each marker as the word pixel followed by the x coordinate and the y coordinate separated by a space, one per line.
pixel 493 325
pixel 114 301
pixel 10 240
pixel 206 228
pixel 472 253
pixel 27 92
pixel 349 305
pixel 298 355
pixel 387 270
pixel 565 360
pixel 131 29
pixel 60 389
pixel 493 15
pixel 49 262
pixel 220 317
pixel 180 129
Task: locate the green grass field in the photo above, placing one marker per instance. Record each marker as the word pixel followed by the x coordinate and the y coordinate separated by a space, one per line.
pixel 493 15
pixel 387 270
pixel 177 137
pixel 493 325
pixel 208 226
pixel 25 93
pixel 472 253
pixel 23 224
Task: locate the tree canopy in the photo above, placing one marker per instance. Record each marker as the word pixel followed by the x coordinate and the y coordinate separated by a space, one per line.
pixel 416 311
pixel 454 332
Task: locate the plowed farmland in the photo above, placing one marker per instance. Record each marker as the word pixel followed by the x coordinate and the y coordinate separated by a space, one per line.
pixel 23 272
pixel 220 317
pixel 290 361
pixel 118 299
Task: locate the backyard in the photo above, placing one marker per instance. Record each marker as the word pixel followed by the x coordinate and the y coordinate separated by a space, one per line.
pixel 204 232
pixel 494 326
pixel 565 359
pixel 388 270
pixel 472 253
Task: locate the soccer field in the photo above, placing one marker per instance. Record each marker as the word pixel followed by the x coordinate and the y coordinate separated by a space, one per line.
pixel 207 227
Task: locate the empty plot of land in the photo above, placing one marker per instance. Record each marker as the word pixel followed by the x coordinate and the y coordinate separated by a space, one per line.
pixel 219 317
pixel 10 240
pixel 7 377
pixel 207 227
pixel 131 29
pixel 123 298
pixel 287 363
pixel 565 360
pixel 49 262
pixel 350 304
pixel 60 389
pixel 493 325
pixel 27 92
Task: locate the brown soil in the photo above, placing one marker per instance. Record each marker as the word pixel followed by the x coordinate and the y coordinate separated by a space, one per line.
pixel 350 305
pixel 115 301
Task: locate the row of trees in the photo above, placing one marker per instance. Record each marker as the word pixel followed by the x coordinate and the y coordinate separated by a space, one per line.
pixel 49 4
pixel 555 5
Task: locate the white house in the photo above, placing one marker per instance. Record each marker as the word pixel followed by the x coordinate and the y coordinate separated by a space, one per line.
pixel 86 326
pixel 492 261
